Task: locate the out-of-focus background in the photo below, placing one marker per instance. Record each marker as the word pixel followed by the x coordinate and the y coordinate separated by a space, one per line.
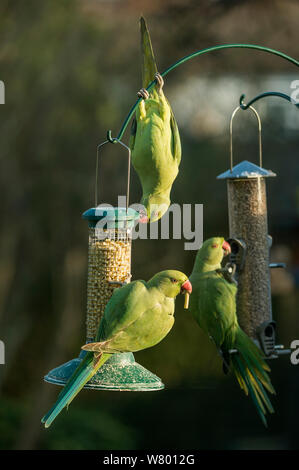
pixel 71 71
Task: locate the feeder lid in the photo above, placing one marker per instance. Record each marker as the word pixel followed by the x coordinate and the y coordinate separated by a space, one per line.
pixel 245 170
pixel 116 216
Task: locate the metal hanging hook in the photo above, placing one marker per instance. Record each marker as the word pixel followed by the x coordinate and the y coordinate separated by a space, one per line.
pixel 128 171
pixel 276 94
pixel 231 134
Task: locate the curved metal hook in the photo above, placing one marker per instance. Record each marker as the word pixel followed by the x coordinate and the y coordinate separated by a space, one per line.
pixel 245 106
pixel 114 141
pixel 111 139
pixel 231 133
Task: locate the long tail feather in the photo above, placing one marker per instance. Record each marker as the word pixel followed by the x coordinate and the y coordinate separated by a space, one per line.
pixel 252 391
pixel 149 67
pixel 251 372
pixel 81 376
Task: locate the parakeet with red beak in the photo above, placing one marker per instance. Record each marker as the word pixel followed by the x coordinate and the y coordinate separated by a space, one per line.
pixel 213 305
pixel 155 140
pixel 138 315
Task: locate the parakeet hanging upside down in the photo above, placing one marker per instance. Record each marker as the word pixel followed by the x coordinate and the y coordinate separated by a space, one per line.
pixel 155 140
pixel 138 315
pixel 213 305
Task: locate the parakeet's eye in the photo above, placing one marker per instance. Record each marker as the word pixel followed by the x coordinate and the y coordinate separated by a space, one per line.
pixel 214 245
pixel 174 281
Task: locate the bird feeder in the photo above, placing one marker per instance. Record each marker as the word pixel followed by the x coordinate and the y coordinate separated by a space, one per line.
pixel 109 268
pixel 250 245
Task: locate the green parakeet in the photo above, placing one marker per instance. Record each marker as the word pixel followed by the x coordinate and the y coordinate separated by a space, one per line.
pixel 213 305
pixel 155 140
pixel 137 316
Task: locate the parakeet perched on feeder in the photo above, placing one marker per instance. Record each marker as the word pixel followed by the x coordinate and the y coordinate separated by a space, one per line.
pixel 155 140
pixel 213 305
pixel 138 315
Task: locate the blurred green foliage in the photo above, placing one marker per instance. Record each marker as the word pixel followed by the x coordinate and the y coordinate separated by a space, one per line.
pixel 71 71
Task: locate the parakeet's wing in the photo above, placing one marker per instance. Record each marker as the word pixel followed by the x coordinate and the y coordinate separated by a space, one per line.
pixel 217 307
pixel 176 141
pixel 125 306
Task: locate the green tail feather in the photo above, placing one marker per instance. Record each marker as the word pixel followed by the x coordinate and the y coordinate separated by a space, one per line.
pixel 149 67
pixel 80 377
pixel 251 372
pixel 260 409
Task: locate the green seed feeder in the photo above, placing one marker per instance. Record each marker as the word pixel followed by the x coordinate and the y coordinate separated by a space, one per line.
pixel 109 267
pixel 250 246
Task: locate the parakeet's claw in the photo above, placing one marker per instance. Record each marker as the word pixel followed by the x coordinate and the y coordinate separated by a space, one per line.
pixel 233 351
pixel 143 93
pixel 93 347
pixel 160 81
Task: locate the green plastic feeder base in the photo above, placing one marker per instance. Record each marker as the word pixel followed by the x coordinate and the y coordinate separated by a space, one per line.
pixel 120 372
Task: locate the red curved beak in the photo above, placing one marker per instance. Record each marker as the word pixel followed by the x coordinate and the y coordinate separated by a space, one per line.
pixel 187 286
pixel 226 247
